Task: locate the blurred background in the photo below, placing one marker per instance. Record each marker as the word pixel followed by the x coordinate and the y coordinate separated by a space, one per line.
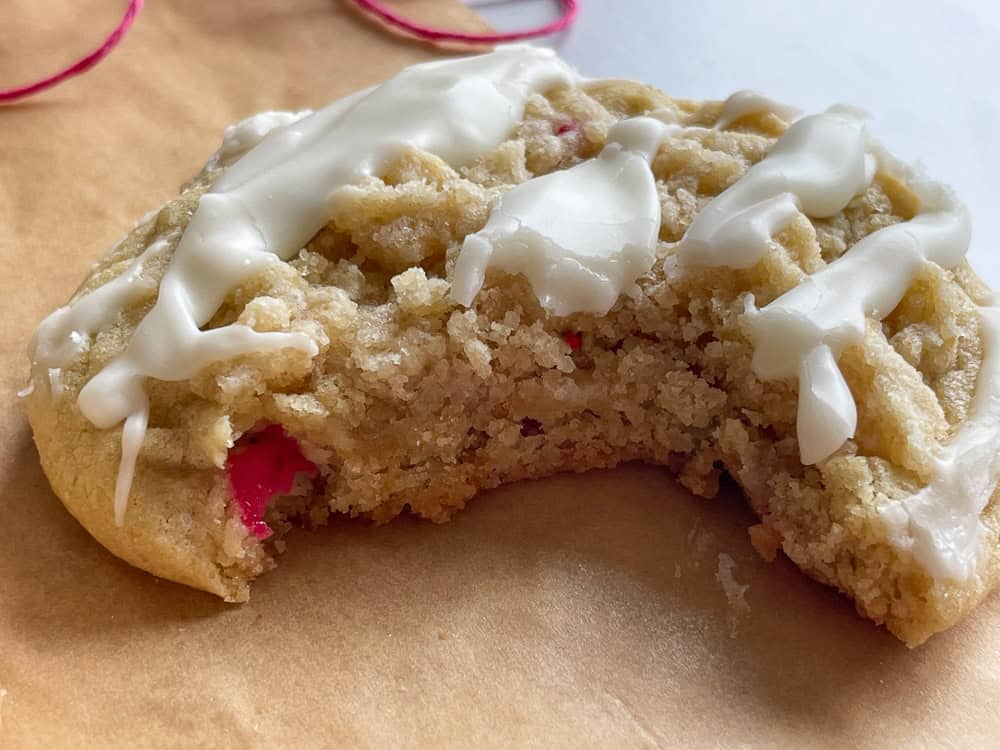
pixel 926 70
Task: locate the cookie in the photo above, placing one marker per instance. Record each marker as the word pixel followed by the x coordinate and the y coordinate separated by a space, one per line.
pixel 490 269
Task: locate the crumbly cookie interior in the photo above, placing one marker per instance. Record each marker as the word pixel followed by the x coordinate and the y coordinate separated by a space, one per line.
pixel 416 403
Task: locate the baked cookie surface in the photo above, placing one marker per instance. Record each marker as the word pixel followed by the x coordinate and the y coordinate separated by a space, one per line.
pixel 365 369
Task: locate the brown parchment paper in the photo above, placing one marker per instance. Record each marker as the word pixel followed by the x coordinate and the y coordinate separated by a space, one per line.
pixel 581 611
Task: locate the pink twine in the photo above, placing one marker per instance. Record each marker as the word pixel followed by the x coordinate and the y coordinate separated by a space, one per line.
pixel 570 10
pixel 80 66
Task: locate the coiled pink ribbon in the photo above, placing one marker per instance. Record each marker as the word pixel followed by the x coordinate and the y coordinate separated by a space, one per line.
pixel 82 65
pixel 570 10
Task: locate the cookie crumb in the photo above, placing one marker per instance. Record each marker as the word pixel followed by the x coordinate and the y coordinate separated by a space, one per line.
pixel 765 540
pixel 734 590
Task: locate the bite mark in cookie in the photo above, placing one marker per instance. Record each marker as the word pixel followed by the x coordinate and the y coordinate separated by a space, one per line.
pixel 261 466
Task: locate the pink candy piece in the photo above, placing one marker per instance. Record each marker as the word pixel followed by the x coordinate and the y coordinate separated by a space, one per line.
pixel 574 339
pixel 573 126
pixel 262 465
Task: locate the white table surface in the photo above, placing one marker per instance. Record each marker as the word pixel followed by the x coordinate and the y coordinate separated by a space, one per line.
pixel 928 71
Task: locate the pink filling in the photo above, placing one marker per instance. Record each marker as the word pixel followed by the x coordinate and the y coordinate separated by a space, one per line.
pixel 262 465
pixel 572 126
pixel 574 339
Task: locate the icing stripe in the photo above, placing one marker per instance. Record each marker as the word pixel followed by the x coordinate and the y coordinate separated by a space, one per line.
pixel 66 332
pixel 743 103
pixel 940 525
pixel 801 333
pixel 816 168
pixel 581 236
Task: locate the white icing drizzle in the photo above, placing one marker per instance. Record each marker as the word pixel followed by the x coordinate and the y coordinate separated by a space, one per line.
pixel 743 103
pixel 238 139
pixel 133 435
pixel 802 333
pixel 56 389
pixel 268 204
pixel 581 236
pixel 816 167
pixel 66 333
pixel 940 525
pixel 245 135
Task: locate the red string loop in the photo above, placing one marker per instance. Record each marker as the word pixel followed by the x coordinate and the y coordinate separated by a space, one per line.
pixel 83 64
pixel 570 10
